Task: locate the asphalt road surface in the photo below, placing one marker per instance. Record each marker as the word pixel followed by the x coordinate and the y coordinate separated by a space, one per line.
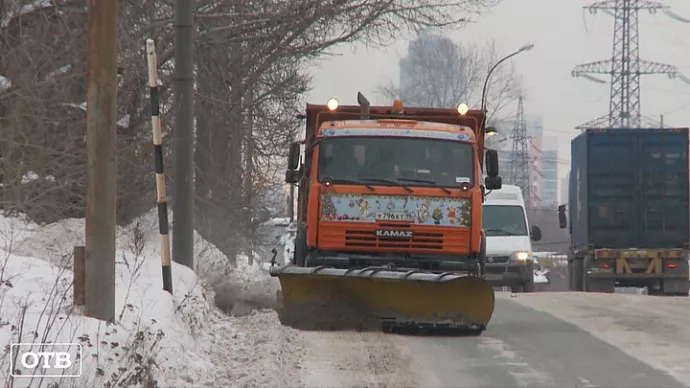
pixel 526 348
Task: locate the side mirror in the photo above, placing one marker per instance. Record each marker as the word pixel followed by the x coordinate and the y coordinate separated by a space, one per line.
pixel 292 176
pixel 493 182
pixel 536 233
pixel 491 163
pixel 562 219
pixel 293 156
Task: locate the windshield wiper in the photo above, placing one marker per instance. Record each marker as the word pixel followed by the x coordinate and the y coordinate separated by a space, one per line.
pixel 427 181
pixel 390 182
pixel 346 181
pixel 497 230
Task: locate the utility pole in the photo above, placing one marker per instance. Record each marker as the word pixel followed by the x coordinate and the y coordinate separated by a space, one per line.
pixel 625 66
pixel 101 178
pixel 520 166
pixel 249 176
pixel 183 135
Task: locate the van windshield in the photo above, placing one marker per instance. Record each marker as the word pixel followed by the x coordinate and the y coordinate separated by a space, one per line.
pixel 503 220
pixel 395 161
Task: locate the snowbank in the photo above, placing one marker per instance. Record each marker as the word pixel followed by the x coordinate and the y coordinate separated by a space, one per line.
pixel 5 83
pixel 156 336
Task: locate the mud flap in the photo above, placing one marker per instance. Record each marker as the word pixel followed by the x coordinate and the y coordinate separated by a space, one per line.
pixel 375 298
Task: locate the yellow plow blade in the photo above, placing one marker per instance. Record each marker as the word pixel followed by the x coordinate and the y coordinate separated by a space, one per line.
pixel 339 298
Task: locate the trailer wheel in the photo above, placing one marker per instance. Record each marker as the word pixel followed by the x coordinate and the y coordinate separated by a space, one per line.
pixel 577 275
pixel 528 286
pixel 600 285
pixel 675 287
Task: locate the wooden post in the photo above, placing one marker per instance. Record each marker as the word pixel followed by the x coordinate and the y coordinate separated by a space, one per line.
pixel 79 280
pixel 101 195
pixel 157 135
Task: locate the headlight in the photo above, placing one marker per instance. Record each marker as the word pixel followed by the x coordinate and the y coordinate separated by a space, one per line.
pixel 522 255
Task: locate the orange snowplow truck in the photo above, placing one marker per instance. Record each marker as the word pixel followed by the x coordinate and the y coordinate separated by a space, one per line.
pixel 389 219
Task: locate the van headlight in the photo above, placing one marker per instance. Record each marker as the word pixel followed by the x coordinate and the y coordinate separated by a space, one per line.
pixel 522 255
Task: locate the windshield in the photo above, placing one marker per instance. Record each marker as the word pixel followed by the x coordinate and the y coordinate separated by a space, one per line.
pixel 395 161
pixel 501 220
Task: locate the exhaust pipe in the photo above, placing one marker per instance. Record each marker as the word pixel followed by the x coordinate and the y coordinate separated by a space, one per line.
pixel 364 105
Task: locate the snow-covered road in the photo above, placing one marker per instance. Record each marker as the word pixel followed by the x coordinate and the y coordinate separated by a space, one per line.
pixel 534 340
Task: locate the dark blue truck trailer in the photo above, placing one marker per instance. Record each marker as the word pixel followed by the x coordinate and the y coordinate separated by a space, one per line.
pixel 628 210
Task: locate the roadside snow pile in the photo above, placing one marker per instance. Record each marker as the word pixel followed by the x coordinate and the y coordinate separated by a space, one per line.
pixel 5 83
pixel 157 337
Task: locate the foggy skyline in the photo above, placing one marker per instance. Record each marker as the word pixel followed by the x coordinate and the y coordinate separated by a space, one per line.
pixel 568 37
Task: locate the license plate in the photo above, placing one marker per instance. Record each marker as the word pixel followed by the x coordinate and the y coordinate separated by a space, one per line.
pixel 493 277
pixel 394 216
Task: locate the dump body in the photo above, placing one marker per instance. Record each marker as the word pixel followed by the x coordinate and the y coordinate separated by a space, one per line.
pixel 380 230
pixel 628 209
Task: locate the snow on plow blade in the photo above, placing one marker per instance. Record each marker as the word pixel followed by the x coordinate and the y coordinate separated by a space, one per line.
pixel 375 298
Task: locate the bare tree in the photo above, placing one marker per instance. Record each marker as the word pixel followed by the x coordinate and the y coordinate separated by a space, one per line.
pixel 251 76
pixel 437 72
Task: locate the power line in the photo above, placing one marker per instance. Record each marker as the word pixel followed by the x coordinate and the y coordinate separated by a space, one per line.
pixel 625 66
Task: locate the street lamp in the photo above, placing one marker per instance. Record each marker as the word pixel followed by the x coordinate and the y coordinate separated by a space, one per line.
pixel 526 47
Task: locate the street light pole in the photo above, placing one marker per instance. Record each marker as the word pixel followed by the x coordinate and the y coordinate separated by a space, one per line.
pixel 526 47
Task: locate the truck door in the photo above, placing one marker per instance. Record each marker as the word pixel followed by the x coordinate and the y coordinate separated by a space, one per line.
pixel 663 189
pixel 612 204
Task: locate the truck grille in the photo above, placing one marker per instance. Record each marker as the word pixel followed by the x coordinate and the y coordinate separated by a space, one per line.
pixel 367 238
pixel 498 259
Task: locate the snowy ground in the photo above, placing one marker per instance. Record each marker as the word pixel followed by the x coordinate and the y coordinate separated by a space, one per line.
pixel 180 340
pixel 651 329
pixel 185 340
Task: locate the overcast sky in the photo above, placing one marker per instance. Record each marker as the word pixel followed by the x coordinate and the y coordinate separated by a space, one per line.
pixel 564 36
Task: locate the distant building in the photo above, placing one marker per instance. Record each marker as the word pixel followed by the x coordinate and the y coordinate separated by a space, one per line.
pixel 549 178
pixel 426 42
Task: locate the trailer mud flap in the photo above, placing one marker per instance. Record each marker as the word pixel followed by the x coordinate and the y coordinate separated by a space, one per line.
pixel 377 298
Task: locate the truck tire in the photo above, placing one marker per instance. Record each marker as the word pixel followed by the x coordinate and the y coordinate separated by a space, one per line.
pixel 600 285
pixel 578 274
pixel 675 287
pixel 607 286
pixel 300 246
pixel 528 286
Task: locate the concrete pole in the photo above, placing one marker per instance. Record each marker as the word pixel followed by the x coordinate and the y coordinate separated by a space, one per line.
pixel 101 179
pixel 183 135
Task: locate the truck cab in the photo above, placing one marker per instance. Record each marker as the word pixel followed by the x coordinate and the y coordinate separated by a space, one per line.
pixel 389 219
pixel 509 260
pixel 392 186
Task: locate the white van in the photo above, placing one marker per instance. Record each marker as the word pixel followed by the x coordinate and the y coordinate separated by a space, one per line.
pixel 509 239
